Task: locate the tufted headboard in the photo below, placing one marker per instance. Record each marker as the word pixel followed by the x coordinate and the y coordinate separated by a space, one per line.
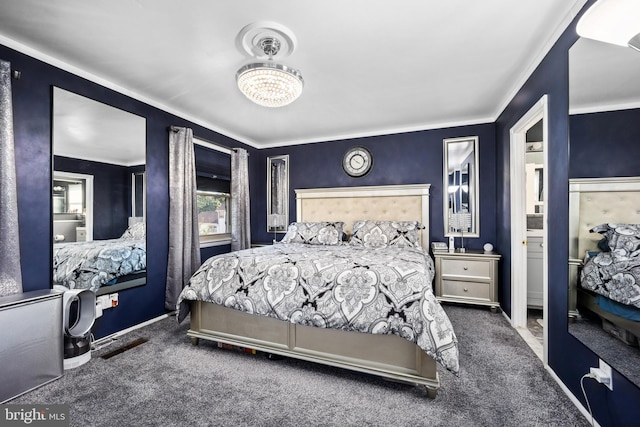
pixel 350 204
pixel 594 201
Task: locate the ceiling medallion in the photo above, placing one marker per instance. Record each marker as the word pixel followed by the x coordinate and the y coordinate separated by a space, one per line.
pixel 268 84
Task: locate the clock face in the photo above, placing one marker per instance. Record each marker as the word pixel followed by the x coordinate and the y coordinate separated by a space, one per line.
pixel 357 161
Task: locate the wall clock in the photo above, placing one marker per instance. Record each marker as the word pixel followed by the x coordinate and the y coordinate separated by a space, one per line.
pixel 357 161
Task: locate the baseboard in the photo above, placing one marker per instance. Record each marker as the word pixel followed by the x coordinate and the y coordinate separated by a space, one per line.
pixel 572 397
pixel 109 338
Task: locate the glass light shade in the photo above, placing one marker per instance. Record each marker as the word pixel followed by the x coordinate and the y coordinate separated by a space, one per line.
pixel 611 21
pixel 269 84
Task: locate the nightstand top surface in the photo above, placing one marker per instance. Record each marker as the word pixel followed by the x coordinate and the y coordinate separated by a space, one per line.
pixel 469 253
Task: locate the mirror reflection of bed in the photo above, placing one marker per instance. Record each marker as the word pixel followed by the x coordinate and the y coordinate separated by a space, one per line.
pixel 98 195
pixel 604 103
pixel 604 244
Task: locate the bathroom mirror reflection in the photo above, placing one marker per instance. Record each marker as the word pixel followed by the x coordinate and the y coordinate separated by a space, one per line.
pixel 98 195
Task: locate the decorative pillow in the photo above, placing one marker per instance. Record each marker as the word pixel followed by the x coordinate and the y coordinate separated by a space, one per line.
pixel 135 231
pixel 314 233
pixel 375 234
pixel 623 239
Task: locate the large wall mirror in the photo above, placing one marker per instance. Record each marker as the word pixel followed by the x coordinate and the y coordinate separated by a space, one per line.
pixel 460 189
pixel 277 194
pixel 98 195
pixel 604 120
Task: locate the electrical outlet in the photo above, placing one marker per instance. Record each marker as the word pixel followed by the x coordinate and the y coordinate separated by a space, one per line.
pixel 104 301
pixel 607 371
pixel 98 309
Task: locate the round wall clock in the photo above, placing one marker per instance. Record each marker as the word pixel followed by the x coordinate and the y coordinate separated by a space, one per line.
pixel 357 161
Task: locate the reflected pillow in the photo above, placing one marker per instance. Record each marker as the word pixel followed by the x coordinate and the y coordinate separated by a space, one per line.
pixel 314 233
pixel 623 239
pixel 376 234
pixel 135 231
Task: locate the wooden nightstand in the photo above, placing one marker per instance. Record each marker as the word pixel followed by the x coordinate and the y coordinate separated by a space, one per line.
pixel 469 277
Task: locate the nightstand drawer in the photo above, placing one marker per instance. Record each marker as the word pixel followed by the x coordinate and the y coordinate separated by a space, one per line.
pixel 466 290
pixel 477 269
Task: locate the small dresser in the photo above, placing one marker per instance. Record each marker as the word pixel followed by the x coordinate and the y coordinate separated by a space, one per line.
pixel 469 277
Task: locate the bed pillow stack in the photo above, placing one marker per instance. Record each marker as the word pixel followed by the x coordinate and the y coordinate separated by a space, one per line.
pixel 135 231
pixel 622 239
pixel 375 234
pixel 314 233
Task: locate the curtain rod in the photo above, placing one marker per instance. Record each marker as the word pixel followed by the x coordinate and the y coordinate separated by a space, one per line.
pixel 205 142
pixel 212 145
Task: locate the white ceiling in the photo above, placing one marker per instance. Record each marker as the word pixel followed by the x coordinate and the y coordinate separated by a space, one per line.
pixel 370 66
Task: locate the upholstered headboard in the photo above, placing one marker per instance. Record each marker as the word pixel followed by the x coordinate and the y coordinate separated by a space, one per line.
pixel 350 204
pixel 594 201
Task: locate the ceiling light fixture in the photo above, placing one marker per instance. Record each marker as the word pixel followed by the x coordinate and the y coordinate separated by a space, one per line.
pixel 612 21
pixel 268 83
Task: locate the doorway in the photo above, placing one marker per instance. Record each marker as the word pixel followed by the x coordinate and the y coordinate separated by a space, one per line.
pixel 529 188
pixel 72 207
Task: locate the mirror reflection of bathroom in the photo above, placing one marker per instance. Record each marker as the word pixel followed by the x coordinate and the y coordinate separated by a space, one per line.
pixel 72 216
pixel 534 177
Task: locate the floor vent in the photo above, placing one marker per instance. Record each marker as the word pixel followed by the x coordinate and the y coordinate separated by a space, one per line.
pixel 124 348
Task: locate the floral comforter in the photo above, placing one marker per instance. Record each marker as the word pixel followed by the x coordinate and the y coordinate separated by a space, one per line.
pixel 89 265
pixel 615 275
pixel 380 291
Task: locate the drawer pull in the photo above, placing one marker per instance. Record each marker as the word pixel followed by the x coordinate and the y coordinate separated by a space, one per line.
pixel 466 289
pixel 465 268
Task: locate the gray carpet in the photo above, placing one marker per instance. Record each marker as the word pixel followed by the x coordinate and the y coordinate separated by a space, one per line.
pixel 167 381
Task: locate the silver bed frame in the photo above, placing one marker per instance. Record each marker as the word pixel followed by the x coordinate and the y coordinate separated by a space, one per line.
pixel 388 356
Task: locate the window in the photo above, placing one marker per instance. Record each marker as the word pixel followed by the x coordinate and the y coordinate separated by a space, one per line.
pixel 213 213
pixel 213 182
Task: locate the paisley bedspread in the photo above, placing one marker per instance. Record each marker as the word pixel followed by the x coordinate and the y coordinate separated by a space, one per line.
pixel 380 291
pixel 89 265
pixel 613 275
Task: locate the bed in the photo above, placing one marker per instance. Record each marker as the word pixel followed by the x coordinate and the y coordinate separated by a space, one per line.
pixel 103 266
pixel 307 335
pixel 605 248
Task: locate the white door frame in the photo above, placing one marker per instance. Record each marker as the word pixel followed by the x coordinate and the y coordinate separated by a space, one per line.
pixel 518 218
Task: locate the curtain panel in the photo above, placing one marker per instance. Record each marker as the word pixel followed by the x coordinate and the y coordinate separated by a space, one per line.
pixel 184 240
pixel 240 218
pixel 10 273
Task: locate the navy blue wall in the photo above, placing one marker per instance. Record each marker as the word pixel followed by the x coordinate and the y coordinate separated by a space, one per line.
pixel 568 357
pixel 601 143
pixel 406 158
pixel 111 195
pixel 32 101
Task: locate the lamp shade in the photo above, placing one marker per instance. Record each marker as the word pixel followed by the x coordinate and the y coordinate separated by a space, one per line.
pixel 612 21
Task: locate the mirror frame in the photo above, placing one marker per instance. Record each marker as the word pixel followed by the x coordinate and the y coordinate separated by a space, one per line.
pixel 474 229
pixel 279 222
